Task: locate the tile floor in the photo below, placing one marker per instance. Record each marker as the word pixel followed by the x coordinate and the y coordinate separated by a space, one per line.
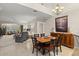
pixel 8 47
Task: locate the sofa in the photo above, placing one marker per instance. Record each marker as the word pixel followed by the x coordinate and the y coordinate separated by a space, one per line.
pixel 22 37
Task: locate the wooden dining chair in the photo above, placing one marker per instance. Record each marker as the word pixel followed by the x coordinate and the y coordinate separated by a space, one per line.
pixel 35 45
pixel 58 43
pixel 53 44
pixel 48 47
pixel 42 35
pixel 36 35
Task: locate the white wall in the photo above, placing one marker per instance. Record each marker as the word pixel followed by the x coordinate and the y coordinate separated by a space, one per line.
pixel 37 27
pixel 73 22
pixel 49 25
pixel 40 27
pixel 34 27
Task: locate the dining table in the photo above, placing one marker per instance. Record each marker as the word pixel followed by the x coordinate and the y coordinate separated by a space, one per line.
pixel 42 40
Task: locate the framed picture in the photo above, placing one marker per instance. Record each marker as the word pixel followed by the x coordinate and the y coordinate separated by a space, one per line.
pixel 61 24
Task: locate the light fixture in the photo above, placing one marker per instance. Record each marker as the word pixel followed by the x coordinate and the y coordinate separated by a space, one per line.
pixel 58 9
pixel 35 11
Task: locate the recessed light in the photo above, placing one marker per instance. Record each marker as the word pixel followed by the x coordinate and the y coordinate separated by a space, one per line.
pixel 42 3
pixel 35 11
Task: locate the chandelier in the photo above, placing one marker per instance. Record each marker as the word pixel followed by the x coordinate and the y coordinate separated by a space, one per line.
pixel 58 9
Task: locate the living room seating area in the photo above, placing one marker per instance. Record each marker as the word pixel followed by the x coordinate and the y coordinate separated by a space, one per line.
pixel 21 37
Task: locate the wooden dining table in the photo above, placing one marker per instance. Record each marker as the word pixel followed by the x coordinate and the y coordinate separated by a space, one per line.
pixel 46 39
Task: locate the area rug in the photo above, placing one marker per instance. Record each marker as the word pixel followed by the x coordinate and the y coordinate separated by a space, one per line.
pixel 76 52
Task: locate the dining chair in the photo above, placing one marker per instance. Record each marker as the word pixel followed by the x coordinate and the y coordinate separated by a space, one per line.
pixel 58 43
pixel 35 45
pixel 48 47
pixel 42 35
pixel 36 35
pixel 53 44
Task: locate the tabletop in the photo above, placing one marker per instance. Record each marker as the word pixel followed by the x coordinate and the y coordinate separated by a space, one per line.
pixel 45 39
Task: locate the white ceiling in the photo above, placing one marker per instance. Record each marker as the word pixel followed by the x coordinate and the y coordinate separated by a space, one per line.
pixel 16 13
pixel 67 6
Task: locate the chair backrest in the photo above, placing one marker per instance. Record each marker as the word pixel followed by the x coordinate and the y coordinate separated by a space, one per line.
pixel 36 35
pixel 59 40
pixel 34 40
pixel 42 35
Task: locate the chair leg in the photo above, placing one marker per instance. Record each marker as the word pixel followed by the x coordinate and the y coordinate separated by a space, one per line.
pixel 54 51
pixel 33 50
pixel 60 49
pixel 57 50
pixel 49 52
pixel 37 52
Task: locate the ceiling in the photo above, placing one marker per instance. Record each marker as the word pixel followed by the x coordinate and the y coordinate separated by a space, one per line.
pixel 67 6
pixel 16 13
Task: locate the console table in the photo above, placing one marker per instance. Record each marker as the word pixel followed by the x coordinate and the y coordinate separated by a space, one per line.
pixel 68 38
